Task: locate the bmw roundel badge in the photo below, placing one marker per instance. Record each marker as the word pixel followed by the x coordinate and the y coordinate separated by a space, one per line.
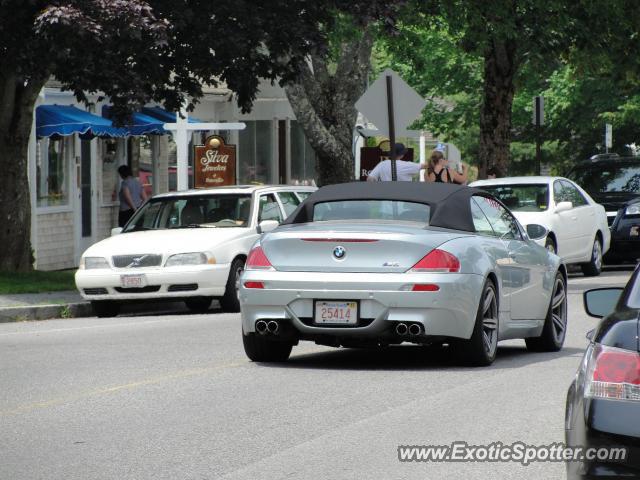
pixel 339 252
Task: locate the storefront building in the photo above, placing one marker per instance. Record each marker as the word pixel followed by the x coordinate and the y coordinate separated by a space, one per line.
pixel 75 151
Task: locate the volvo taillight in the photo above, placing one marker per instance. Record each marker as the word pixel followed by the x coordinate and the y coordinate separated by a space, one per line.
pixel 437 261
pixel 613 373
pixel 257 260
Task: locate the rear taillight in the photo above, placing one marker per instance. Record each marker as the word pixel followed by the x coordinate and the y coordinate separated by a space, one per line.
pixel 613 373
pixel 253 285
pixel 437 261
pixel 425 287
pixel 257 260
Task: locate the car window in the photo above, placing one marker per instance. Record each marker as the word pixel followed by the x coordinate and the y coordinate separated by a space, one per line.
pixel 269 209
pixel 521 197
pixel 503 223
pixel 480 221
pixel 392 210
pixel 633 300
pixel 215 211
pixel 289 202
pixel 303 195
pixel 573 194
pixel 559 195
pixel 604 177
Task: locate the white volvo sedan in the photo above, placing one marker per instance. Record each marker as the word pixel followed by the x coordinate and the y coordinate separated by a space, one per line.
pixel 577 226
pixel 188 246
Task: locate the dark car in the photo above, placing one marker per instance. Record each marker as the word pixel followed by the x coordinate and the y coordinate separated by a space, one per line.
pixel 603 403
pixel 614 182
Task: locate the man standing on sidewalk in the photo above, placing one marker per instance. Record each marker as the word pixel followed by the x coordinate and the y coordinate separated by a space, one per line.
pixel 405 170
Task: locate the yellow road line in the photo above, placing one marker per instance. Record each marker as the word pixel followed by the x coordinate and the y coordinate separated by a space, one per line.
pixel 117 388
pixel 130 386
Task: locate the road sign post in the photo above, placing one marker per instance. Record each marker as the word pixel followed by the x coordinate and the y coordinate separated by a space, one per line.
pixel 608 137
pixel 538 121
pixel 391 117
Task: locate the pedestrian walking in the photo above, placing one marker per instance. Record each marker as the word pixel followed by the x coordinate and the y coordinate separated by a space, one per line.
pixel 131 195
pixel 405 170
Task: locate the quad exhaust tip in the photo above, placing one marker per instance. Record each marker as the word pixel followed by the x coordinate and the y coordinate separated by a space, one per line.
pixel 414 329
pixel 264 327
pixel 402 329
pixel 261 327
pixel 273 327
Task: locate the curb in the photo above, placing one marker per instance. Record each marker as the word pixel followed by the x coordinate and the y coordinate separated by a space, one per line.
pixel 45 312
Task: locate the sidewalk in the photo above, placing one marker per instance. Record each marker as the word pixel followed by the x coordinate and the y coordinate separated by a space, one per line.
pixel 69 304
pixel 42 306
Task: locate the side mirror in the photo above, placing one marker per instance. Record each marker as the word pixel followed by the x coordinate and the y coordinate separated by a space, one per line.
pixel 563 206
pixel 116 231
pixel 600 302
pixel 536 232
pixel 267 225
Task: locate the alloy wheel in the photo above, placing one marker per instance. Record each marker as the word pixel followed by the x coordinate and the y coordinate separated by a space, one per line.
pixel 596 255
pixel 559 310
pixel 239 271
pixel 490 322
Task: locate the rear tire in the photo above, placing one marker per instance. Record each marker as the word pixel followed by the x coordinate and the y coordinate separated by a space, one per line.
pixel 198 304
pixel 230 302
pixel 105 308
pixel 260 349
pixel 594 266
pixel 480 350
pixel 555 324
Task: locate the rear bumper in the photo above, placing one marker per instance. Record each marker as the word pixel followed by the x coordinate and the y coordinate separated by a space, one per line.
pixel 625 240
pixel 601 423
pixel 209 280
pixel 289 296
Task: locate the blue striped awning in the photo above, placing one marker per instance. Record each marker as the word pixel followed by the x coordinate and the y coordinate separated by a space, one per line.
pixel 66 120
pixel 141 123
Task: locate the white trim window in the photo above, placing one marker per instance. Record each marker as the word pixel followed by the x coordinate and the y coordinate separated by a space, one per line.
pixel 256 152
pixel 303 157
pixel 53 172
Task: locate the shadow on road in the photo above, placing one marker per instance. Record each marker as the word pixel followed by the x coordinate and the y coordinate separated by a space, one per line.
pixel 414 358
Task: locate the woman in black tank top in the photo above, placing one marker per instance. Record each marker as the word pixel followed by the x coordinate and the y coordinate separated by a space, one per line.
pixel 439 172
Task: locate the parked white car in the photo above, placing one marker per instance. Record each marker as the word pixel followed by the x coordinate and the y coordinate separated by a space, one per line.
pixel 577 226
pixel 188 246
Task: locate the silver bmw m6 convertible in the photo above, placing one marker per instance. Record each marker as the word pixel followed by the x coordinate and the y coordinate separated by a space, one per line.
pixel 374 264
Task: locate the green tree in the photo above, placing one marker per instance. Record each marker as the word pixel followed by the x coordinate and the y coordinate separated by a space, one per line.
pixel 135 52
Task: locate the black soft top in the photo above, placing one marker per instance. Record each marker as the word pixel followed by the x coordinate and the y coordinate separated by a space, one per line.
pixel 449 204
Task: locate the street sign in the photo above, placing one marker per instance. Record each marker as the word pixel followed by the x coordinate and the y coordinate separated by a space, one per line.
pixel 538 110
pixel 407 104
pixel 608 135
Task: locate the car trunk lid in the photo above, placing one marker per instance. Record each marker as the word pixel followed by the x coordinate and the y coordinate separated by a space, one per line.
pixel 345 247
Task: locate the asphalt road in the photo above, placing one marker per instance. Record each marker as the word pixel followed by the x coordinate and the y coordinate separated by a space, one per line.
pixel 174 397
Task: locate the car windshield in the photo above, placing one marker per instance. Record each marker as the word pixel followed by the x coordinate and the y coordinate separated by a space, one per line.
pixel 391 210
pixel 522 198
pixel 192 211
pixel 607 178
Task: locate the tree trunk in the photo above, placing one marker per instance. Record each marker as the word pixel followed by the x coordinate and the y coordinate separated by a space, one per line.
pixel 495 116
pixel 18 98
pixel 324 105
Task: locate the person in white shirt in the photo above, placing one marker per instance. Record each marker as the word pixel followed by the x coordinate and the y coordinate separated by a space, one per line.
pixel 405 170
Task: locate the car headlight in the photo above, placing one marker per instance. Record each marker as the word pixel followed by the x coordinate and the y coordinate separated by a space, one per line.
pixel 90 263
pixel 195 258
pixel 633 209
